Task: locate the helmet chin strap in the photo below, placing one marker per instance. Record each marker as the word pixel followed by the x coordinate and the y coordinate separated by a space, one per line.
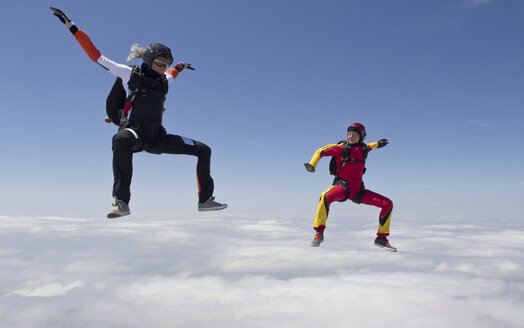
pixel 148 70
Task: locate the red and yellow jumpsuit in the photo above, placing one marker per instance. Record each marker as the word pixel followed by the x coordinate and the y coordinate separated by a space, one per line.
pixel 349 185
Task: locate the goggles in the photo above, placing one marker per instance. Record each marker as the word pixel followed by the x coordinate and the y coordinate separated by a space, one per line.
pixel 160 63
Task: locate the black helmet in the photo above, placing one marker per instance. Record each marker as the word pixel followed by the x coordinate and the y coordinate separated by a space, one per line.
pixel 157 50
pixel 360 129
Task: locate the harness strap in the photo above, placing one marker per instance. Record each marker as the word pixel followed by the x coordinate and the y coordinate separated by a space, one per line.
pixel 129 102
pixel 134 84
pixel 344 185
pixel 345 155
pixel 358 196
pixel 341 182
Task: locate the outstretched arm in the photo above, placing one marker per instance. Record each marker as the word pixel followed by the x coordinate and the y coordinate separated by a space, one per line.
pixel 79 35
pixel 381 143
pixel 328 150
pixel 172 73
pixel 120 70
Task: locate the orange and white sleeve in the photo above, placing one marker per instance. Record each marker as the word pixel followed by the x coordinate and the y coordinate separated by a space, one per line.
pixel 120 70
pixel 171 74
pixel 87 45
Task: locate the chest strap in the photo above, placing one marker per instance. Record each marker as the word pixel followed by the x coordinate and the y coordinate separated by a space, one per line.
pixel 347 151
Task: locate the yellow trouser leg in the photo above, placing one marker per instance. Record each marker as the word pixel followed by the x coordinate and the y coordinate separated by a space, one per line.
pixel 322 210
pixel 383 225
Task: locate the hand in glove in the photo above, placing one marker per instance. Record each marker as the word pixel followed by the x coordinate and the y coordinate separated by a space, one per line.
pixel 309 167
pixel 64 19
pixel 180 66
pixel 382 143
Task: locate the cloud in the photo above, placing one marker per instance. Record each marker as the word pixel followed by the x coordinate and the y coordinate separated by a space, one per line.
pixel 476 3
pixel 48 290
pixel 481 124
pixel 211 270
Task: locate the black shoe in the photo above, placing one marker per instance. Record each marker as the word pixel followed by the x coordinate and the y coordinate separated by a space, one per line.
pixel 383 242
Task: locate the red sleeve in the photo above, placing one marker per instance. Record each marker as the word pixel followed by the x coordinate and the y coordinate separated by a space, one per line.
pixel 87 45
pixel 332 151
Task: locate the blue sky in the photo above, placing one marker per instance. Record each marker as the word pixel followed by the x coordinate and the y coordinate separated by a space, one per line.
pixel 275 80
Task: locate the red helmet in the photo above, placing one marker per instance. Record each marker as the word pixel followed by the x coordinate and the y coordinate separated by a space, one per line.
pixel 359 128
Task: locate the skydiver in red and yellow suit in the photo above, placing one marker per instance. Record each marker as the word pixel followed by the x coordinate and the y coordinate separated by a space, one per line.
pixel 350 158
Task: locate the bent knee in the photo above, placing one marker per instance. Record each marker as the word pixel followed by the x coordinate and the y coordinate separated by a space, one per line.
pixel 203 150
pixel 123 138
pixel 387 203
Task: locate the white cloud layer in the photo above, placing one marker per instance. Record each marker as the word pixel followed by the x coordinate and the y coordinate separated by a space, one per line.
pixel 219 271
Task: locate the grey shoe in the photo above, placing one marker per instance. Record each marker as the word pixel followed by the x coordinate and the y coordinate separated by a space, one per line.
pixel 119 209
pixel 211 205
pixel 383 242
pixel 319 238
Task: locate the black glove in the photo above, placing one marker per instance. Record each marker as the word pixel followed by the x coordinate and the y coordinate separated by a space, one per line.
pixel 382 143
pixel 64 19
pixel 180 66
pixel 309 167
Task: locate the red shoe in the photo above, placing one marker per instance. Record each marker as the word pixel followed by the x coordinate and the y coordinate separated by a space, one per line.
pixel 319 237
